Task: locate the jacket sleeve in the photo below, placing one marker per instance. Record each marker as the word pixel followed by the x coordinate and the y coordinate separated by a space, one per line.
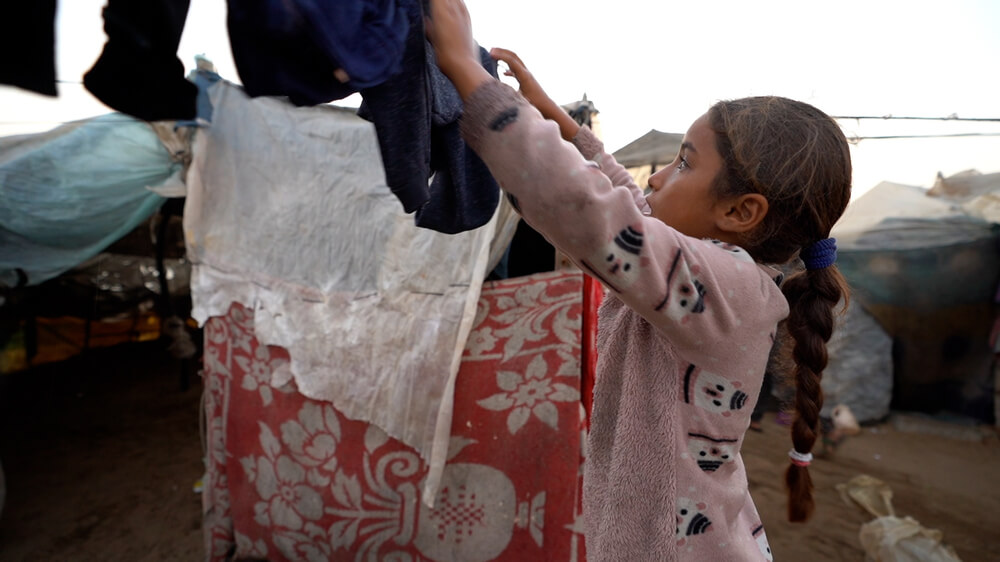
pixel 591 148
pixel 696 293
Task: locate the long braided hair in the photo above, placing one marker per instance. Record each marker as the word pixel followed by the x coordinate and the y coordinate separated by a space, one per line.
pixel 798 158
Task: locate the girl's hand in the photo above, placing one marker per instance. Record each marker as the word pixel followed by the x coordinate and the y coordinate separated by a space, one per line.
pixel 529 87
pixel 533 92
pixel 449 29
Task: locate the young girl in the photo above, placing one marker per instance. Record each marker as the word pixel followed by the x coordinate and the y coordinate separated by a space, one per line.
pixel 691 312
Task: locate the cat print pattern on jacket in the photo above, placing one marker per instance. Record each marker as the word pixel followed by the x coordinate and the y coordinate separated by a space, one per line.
pixel 712 392
pixel 617 263
pixel 691 520
pixel 761 538
pixel 710 453
pixel 737 251
pixel 685 293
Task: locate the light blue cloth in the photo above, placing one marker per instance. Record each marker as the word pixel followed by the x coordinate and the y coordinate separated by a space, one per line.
pixel 67 194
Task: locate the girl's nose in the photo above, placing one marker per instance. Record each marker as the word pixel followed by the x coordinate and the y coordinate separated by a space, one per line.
pixel 655 180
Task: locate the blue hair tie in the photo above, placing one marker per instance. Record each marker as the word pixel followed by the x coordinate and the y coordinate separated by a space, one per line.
pixel 819 254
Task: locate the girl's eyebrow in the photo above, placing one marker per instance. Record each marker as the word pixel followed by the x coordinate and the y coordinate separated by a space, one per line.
pixel 688 146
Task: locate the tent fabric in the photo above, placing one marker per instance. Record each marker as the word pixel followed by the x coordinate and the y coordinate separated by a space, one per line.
pixel 886 201
pixel 288 212
pixel 927 268
pixel 655 148
pixel 979 194
pixel 897 245
pixel 292 478
pixel 965 185
pixel 62 205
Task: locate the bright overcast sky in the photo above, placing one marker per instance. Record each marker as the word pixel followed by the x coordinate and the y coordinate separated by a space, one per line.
pixel 653 64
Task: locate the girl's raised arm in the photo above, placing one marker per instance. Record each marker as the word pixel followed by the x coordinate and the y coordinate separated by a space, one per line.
pixel 589 146
pixel 449 29
pixel 536 96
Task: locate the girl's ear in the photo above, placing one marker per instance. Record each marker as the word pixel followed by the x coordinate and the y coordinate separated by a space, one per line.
pixel 742 213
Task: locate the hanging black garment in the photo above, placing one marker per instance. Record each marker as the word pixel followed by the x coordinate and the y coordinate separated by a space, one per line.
pixel 138 73
pixel 27 46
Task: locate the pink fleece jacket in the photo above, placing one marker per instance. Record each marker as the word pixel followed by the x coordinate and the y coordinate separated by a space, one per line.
pixel 683 340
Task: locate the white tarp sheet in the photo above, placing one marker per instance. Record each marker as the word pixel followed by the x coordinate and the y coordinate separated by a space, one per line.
pixel 288 212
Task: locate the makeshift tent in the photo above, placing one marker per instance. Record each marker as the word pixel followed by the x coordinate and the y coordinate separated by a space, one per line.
pixel 926 266
pixel 648 153
pixel 655 148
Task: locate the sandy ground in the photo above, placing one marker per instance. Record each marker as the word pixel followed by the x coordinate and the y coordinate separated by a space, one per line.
pixel 101 453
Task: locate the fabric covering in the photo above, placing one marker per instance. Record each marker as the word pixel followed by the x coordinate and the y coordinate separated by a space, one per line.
pixel 290 478
pixel 63 205
pixel 288 213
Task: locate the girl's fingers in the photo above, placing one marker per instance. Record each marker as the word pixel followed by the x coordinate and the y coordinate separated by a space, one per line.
pixel 506 56
pixel 500 54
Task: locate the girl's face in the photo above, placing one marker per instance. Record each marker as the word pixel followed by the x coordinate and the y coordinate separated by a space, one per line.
pixel 682 192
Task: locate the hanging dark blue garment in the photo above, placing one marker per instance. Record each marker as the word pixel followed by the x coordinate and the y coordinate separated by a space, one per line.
pixel 317 51
pixel 400 109
pixel 463 194
pixel 138 72
pixel 416 114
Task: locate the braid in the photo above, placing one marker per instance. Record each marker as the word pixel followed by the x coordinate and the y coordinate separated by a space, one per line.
pixel 798 158
pixel 811 295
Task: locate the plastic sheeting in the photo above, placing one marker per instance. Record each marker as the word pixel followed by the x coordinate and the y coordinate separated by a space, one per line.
pixel 67 194
pixel 859 371
pixel 889 538
pixel 288 213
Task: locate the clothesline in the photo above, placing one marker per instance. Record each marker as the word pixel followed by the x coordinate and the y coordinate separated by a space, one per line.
pixel 887 117
pixel 855 139
pixel 852 139
pixel 952 117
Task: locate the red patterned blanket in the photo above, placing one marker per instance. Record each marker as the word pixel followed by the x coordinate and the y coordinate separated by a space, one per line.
pixel 290 478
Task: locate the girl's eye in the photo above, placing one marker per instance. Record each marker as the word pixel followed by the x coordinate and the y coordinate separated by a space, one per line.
pixel 683 164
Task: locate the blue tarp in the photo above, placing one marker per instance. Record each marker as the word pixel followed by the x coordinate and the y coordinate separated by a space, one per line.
pixel 67 194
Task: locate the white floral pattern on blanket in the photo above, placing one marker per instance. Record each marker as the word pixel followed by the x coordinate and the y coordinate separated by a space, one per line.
pixel 289 478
